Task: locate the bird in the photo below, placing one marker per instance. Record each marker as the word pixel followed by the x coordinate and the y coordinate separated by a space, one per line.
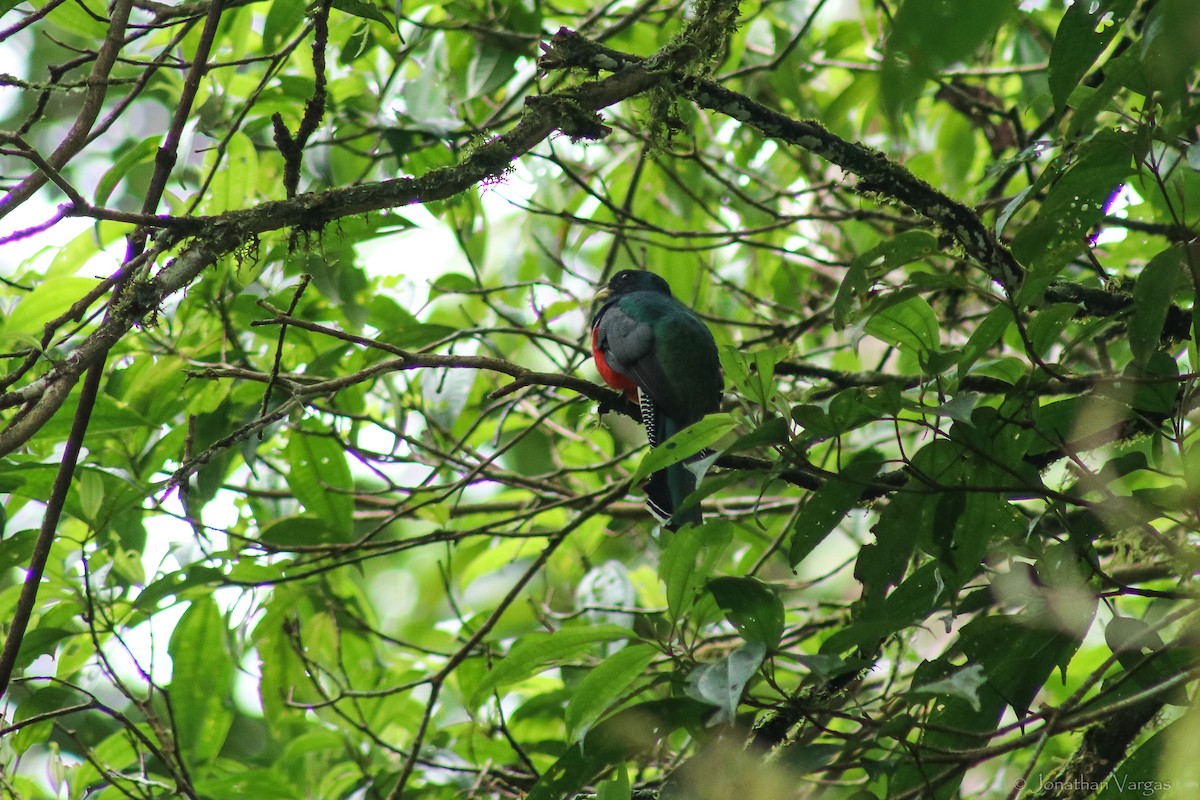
pixel 660 355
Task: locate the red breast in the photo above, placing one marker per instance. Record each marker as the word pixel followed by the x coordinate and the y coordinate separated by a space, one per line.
pixel 613 378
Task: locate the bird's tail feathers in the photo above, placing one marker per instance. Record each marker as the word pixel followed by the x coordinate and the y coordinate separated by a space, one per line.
pixel 665 492
pixel 668 488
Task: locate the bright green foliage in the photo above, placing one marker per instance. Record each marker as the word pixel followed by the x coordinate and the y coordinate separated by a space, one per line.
pixel 346 519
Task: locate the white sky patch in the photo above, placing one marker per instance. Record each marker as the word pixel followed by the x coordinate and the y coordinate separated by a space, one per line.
pixel 418 253
pixel 14 60
pixel 429 249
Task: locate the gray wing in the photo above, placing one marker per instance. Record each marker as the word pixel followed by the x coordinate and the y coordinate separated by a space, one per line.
pixel 629 347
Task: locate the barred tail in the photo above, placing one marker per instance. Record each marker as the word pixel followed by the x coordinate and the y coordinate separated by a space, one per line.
pixel 667 489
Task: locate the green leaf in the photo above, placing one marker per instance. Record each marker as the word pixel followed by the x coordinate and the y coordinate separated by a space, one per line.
pixel 201 679
pixel 913 600
pixel 1147 661
pixel 910 325
pixel 986 521
pixel 929 35
pixel 1017 655
pixel 1009 369
pixel 49 299
pixel 722 683
pixel 962 683
pixel 989 331
pixel 536 652
pixel 452 283
pixel 17 549
pixel 261 784
pixel 490 69
pixel 142 152
pixel 604 590
pixel 1156 384
pixel 1012 207
pixel 773 431
pixel 829 504
pixel 41 641
pixel 827 666
pixel 91 494
pixel 688 442
pixel 176 584
pixel 849 409
pixel 1047 326
pixel 1074 204
pixel 758 386
pixel 235 183
pixel 109 416
pixel 905 519
pixel 1166 53
pixel 1142 773
pixel 753 608
pixel 617 787
pixel 399 328
pixel 320 478
pixel 881 259
pixel 283 17
pixel 1085 31
pixel 1079 422
pixel 116 751
pixel 84 20
pixel 1152 294
pixel 303 531
pixel 1130 634
pixel 688 561
pixel 43 700
pixel 358 42
pixel 622 737
pixel 604 685
pixel 365 10
pixel 736 366
pixel 446 393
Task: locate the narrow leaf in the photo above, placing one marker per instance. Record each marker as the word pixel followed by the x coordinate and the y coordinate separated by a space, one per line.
pixel 320 478
pixel 688 561
pixel 604 686
pixel 686 443
pixel 201 678
pixel 829 504
pixel 537 652
pixel 364 10
pixel 1086 29
pixel 140 153
pixel 985 336
pixel 1151 296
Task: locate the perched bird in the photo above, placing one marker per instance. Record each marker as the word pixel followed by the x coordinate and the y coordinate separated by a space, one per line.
pixel 663 357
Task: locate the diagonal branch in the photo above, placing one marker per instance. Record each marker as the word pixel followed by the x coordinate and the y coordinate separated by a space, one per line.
pixel 571 111
pixel 876 173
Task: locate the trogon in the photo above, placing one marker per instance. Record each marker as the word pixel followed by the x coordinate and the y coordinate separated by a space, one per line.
pixel 663 357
